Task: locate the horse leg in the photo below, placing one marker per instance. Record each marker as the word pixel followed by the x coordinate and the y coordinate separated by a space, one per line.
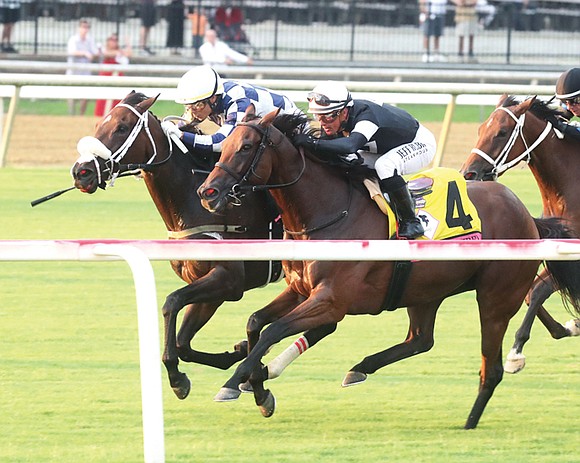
pixel 280 306
pixel 212 290
pixel 541 290
pixel 316 311
pixel 419 339
pixel 276 366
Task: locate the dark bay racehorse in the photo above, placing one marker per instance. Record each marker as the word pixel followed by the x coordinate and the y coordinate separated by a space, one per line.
pixel 312 196
pixel 524 132
pixel 130 139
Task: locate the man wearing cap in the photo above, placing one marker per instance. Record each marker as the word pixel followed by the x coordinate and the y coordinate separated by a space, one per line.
pixel 385 137
pixel 568 92
pixel 206 96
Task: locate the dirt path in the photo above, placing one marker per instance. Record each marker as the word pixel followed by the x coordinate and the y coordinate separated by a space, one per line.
pixel 52 140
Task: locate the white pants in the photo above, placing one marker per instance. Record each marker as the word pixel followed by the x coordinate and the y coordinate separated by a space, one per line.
pixel 405 159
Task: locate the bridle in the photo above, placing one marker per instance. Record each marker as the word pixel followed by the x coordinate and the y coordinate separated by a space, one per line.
pixel 242 185
pixel 97 149
pixel 500 164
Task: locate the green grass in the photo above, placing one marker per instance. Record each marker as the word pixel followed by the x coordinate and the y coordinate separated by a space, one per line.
pixel 69 371
pixel 423 113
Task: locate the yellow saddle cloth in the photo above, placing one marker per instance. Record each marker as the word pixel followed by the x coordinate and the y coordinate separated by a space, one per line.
pixel 441 203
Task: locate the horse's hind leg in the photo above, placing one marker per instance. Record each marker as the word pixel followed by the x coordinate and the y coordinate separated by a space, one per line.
pixel 542 289
pixel 419 339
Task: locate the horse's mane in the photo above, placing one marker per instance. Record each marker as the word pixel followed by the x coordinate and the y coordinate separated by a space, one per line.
pixel 539 108
pixel 291 124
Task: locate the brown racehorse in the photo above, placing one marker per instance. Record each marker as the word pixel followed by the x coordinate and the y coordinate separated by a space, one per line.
pixel 524 132
pixel 130 140
pixel 312 196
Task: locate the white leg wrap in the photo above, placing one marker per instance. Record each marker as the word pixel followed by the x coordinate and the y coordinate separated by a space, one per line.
pixel 573 326
pixel 292 352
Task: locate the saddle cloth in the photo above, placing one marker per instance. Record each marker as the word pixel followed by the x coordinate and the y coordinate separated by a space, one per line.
pixel 441 203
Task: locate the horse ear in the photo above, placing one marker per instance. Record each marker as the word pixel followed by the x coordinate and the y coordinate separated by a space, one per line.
pixel 527 104
pixel 269 118
pixel 146 104
pixel 250 113
pixel 502 99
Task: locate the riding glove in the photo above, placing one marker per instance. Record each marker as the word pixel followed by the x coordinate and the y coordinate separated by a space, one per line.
pixel 169 129
pixel 309 141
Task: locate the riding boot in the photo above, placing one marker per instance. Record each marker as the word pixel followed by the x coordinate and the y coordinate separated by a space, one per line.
pixel 403 205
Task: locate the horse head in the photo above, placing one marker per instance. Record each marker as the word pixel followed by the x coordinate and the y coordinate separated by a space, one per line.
pixel 510 135
pixel 127 139
pixel 246 162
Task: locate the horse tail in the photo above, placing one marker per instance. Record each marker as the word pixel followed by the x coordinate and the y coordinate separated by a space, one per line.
pixel 565 273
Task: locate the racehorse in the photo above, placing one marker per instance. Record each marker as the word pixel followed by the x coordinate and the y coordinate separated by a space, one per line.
pixel 130 140
pixel 320 201
pixel 525 132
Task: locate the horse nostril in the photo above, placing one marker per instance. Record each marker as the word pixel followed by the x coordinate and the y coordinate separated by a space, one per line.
pixel 210 193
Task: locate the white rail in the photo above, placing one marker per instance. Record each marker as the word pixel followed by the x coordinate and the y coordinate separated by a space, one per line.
pixel 16 86
pixel 138 255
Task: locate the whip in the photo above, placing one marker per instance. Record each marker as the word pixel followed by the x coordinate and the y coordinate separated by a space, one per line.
pixel 38 201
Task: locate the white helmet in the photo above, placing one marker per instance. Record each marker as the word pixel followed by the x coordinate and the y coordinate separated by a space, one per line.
pixel 197 84
pixel 327 97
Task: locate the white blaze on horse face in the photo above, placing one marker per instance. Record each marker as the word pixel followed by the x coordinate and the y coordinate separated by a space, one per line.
pixel 91 146
pixel 106 119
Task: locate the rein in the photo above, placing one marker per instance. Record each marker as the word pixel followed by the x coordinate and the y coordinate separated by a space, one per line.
pixel 265 142
pixel 237 190
pixel 500 164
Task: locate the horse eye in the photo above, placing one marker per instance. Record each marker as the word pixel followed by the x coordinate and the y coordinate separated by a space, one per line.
pixel 502 133
pixel 122 129
pixel 246 147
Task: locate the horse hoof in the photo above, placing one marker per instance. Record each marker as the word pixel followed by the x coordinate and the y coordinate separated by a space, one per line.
pixel 246 387
pixel 227 395
pixel 573 326
pixel 514 362
pixel 353 377
pixel 182 391
pixel 268 407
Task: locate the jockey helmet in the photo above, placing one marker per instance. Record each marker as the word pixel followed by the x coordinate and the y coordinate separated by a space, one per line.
pixel 197 84
pixel 568 85
pixel 327 97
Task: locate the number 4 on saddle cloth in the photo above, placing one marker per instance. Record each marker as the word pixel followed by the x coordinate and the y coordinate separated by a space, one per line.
pixel 441 203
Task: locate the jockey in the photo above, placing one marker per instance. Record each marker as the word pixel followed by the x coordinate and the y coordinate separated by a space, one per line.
pixel 205 95
pixel 385 138
pixel 568 92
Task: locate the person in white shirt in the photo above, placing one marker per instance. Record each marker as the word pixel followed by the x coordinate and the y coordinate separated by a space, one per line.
pixel 214 51
pixel 432 20
pixel 81 49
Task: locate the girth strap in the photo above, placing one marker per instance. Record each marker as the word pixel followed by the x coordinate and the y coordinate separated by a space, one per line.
pixel 401 272
pixel 225 228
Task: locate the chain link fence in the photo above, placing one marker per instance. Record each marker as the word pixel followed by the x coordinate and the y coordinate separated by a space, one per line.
pixel 324 32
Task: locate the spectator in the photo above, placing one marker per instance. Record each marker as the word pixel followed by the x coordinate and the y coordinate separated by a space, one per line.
pixel 517 14
pixel 81 49
pixel 148 20
pixel 432 19
pixel 465 26
pixel 175 17
pixel 228 22
pixel 198 28
pixel 214 51
pixel 112 54
pixel 9 15
pixel 485 12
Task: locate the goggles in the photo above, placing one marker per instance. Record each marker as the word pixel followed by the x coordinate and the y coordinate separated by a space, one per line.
pixel 321 100
pixel 571 101
pixel 330 117
pixel 197 105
